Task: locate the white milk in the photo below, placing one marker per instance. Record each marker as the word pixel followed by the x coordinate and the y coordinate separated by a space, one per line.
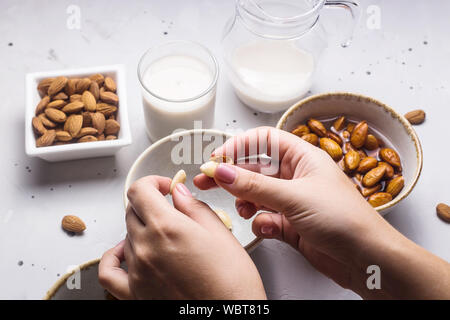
pixel 177 77
pixel 270 76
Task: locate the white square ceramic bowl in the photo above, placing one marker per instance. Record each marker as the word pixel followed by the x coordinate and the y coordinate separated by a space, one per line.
pixel 77 150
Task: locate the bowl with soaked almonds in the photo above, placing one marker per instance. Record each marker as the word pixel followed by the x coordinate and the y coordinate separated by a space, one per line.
pixel 374 145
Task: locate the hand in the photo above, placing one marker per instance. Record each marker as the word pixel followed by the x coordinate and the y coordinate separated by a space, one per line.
pixel 177 252
pixel 310 203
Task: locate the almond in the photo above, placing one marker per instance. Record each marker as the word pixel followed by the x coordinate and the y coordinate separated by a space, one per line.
pixel 301 130
pixel 71 87
pixel 317 127
pixel 389 170
pixel 111 137
pixel 87 119
pixel 395 186
pixel 331 147
pixel 42 105
pixel 57 85
pixel 75 97
pixel 60 96
pixel 90 104
pixel 106 109
pixel 390 156
pixel 311 138
pixel 374 176
pixel 38 126
pixel 367 164
pixel 379 198
pixel 98 121
pixel 57 104
pixel 110 85
pixel 351 160
pixel 46 122
pixel 100 137
pixel 362 154
pixel 82 85
pixel 179 177
pixel 359 134
pixel 111 127
pixel 371 142
pixel 350 127
pixel 348 147
pixel 99 78
pixel 366 192
pixel 415 116
pixel 63 136
pixel 87 131
pixel 109 97
pixel 43 86
pixel 339 123
pixel 334 137
pixel 95 90
pixel 443 211
pixel 73 124
pixel 87 139
pixel 55 115
pixel 73 224
pixel 73 107
pixel 46 139
pixel 346 134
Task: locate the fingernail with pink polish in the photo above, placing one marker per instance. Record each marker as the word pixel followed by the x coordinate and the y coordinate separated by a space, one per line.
pixel 183 190
pixel 225 173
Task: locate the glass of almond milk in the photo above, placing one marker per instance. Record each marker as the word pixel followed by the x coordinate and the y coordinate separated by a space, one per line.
pixel 178 81
pixel 271 49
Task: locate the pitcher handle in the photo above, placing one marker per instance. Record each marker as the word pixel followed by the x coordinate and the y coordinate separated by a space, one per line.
pixel 355 11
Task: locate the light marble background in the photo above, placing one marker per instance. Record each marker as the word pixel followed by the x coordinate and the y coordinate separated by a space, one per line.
pixel 408 60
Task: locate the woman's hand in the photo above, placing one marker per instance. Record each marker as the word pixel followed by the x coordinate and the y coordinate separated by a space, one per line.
pixel 177 252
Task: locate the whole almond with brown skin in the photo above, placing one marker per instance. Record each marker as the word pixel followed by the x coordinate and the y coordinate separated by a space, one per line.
pixel 63 136
pixel 111 127
pixel 395 186
pixel 73 107
pixel 100 137
pixel 61 96
pixel 390 156
pixel 106 109
pixel 109 97
pixel 374 176
pixel 111 137
pixel 339 123
pixel 87 131
pixel 366 192
pixel 42 105
pixel 99 78
pixel 112 117
pixel 443 211
pixel 110 85
pixel 334 137
pixel 57 85
pixel 331 147
pixel 87 119
pixel 43 85
pixel 98 121
pixel 367 164
pixel 38 126
pixel 87 139
pixel 55 115
pixel 95 90
pixel 350 127
pixel 311 138
pixel 301 130
pixel 371 142
pixel 71 87
pixel 379 198
pixel 351 160
pixel 389 170
pixel 82 85
pixel 46 139
pixel 75 97
pixel 46 122
pixel 73 224
pixel 317 127
pixel 415 116
pixel 359 134
pixel 57 104
pixel 90 104
pixel 73 124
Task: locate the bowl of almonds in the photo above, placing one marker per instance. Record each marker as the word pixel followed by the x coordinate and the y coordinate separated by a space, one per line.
pixel 376 147
pixel 76 114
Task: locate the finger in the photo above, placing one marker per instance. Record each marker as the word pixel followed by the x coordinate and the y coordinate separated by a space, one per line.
pixel 195 209
pixel 245 209
pixel 256 188
pixel 135 227
pixel 270 225
pixel 203 182
pixel 146 196
pixel 111 276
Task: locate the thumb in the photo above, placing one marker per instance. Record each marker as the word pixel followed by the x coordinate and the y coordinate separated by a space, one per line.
pixel 254 187
pixel 195 209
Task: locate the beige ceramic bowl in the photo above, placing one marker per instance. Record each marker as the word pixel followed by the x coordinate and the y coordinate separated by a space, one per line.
pixel 397 130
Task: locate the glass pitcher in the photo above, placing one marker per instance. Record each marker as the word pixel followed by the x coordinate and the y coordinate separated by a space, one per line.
pixel 271 49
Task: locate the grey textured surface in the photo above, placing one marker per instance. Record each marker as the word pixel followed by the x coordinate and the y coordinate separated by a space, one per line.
pixel 404 64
